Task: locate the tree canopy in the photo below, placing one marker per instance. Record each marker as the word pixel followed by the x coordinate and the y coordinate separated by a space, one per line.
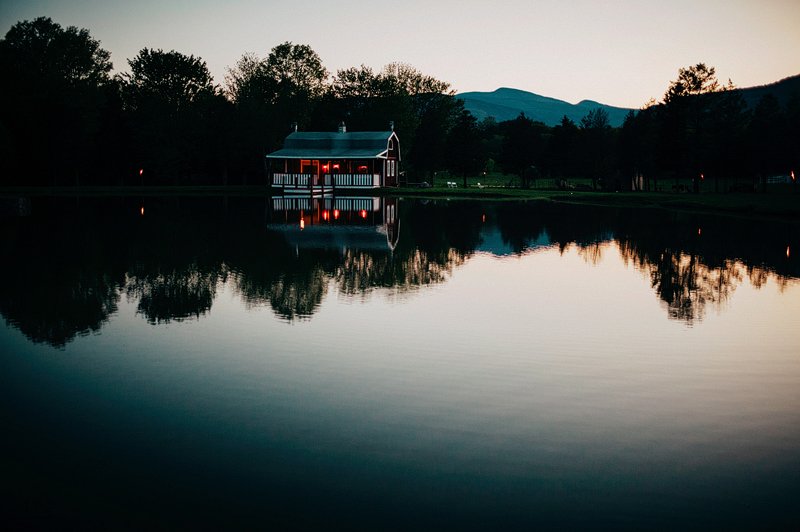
pixel 169 78
pixel 55 108
pixel 693 80
pixel 41 50
pixel 65 120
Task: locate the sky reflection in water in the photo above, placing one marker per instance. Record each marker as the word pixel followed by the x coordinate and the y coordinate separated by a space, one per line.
pixel 482 365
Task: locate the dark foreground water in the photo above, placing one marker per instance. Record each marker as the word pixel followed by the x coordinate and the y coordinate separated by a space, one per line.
pixel 383 364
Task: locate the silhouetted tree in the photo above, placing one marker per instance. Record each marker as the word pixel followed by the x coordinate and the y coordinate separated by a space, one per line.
pixel 685 127
pixel 269 95
pixel 295 80
pixel 563 149
pixel 53 104
pixel 767 134
pixel 725 139
pixel 174 109
pixel 421 107
pixel 692 81
pixel 520 147
pixel 596 146
pixel 464 150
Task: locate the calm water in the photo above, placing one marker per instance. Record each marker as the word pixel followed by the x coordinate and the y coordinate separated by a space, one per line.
pixel 396 364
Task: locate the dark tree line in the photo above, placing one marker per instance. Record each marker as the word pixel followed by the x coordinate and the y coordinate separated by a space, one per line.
pixel 65 120
pixel 702 135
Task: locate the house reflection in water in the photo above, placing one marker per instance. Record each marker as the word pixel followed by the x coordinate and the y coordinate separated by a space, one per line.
pixel 332 222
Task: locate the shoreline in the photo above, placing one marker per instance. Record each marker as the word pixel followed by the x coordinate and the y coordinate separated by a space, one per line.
pixel 755 205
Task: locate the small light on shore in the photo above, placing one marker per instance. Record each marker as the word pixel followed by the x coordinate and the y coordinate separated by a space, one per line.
pixel 699 231
pixel 325 215
pixel 141 210
pixel 788 254
pixel 141 171
pixel 483 218
pixel 363 213
pixel 302 224
pixel 335 214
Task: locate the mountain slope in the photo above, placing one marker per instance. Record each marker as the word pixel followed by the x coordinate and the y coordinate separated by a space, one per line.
pixel 783 90
pixel 506 104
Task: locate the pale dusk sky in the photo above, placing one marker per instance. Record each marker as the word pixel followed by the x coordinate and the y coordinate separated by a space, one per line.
pixel 616 52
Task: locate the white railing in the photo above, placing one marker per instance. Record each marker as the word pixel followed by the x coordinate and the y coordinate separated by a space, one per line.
pixel 290 180
pixel 329 203
pixel 353 180
pixel 287 180
pixel 284 203
pixel 358 204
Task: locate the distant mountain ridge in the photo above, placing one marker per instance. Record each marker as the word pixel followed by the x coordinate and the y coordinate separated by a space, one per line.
pixel 507 103
pixel 782 90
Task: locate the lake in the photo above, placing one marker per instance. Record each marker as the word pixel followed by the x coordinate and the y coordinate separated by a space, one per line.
pixel 385 363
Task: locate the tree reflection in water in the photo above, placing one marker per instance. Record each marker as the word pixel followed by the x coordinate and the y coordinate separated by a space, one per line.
pixel 173 295
pixel 72 260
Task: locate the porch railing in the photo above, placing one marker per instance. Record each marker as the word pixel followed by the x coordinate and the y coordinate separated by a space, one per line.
pixel 291 180
pixel 288 180
pixel 353 180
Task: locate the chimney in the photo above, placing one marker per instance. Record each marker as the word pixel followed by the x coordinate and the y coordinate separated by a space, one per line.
pixel 391 125
pixel 342 127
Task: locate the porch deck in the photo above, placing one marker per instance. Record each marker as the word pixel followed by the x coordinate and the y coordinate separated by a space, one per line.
pixel 290 182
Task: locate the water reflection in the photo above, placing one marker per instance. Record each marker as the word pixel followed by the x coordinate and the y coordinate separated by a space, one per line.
pixel 71 260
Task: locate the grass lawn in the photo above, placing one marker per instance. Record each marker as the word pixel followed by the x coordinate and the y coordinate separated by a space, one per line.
pixel 774 204
pixel 782 202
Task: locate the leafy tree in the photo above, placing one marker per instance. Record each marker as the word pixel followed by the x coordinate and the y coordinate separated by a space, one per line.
pixel 685 125
pixel 368 101
pixel 406 79
pixel 295 80
pixel 636 148
pixel 54 111
pixel 464 150
pixel 595 146
pixel 255 131
pixel 596 119
pixel 169 79
pixel 244 81
pixel 725 136
pixel 793 135
pixel 692 81
pixel 422 108
pixel 269 95
pixel 295 70
pixel 356 83
pixel 175 110
pixel 562 149
pixel 767 132
pixel 520 147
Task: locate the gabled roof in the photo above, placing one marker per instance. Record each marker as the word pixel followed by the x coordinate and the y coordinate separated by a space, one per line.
pixel 333 145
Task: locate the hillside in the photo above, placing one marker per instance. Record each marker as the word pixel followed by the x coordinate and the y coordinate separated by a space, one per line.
pixel 506 104
pixel 783 90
